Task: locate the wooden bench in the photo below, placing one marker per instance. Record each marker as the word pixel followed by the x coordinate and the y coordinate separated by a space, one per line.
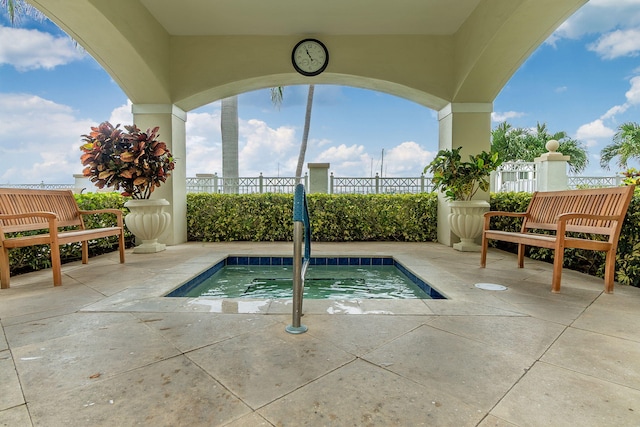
pixel 597 211
pixel 48 210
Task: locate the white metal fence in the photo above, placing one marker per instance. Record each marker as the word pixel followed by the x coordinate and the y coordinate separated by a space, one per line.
pixel 379 185
pixel 243 185
pixel 510 176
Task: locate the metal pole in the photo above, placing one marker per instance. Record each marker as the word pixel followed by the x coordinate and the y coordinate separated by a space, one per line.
pixel 296 327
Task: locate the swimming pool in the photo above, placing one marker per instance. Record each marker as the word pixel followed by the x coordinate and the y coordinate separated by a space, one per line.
pixel 351 277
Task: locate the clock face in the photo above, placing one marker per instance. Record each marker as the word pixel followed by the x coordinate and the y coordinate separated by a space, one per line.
pixel 310 57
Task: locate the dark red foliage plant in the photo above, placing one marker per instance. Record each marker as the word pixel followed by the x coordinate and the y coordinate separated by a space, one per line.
pixel 133 161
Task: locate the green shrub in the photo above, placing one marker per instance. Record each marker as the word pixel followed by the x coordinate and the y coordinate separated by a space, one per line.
pixel 334 218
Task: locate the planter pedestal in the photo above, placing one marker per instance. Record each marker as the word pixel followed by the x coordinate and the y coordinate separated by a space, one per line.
pixel 466 221
pixel 147 220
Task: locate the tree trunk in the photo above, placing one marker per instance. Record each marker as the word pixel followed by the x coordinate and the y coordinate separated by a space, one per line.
pixel 229 131
pixel 305 134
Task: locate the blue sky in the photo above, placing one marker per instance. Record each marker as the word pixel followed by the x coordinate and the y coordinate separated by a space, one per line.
pixel 585 80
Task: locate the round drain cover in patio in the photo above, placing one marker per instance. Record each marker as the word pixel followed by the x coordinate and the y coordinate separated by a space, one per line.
pixel 491 287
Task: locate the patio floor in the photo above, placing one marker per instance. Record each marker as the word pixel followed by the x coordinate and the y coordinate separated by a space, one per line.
pixel 106 349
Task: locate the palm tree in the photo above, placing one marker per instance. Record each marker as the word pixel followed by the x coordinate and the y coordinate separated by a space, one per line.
pixel 625 146
pixel 305 134
pixel 514 144
pixel 17 8
pixel 229 132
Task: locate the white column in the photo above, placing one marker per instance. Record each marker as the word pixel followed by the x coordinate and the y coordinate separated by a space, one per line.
pixel 466 125
pixel 171 121
pixel 551 169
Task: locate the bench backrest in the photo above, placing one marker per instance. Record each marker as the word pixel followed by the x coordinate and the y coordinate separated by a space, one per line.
pixel 545 207
pixel 17 201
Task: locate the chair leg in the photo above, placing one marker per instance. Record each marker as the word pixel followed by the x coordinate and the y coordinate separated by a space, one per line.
pixel 121 246
pixel 85 252
pixel 520 255
pixel 609 271
pixel 5 271
pixel 483 251
pixel 558 258
pixel 56 265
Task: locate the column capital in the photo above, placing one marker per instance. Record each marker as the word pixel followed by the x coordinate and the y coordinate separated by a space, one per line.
pixel 465 107
pixel 159 109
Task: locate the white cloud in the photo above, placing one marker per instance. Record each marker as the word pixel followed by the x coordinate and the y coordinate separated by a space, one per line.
pixel 599 16
pixel 617 43
pixel 592 133
pixel 346 161
pixel 204 152
pixel 31 49
pixel 39 140
pixel 632 96
pixel 267 150
pixel 499 117
pixel 407 159
pixel 122 115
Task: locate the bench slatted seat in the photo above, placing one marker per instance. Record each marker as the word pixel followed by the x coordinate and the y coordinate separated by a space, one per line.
pixel 48 210
pixel 596 211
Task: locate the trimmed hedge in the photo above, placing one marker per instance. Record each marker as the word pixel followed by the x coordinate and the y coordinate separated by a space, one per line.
pixel 334 218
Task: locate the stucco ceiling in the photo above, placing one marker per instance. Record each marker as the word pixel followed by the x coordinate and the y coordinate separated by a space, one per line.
pixel 289 17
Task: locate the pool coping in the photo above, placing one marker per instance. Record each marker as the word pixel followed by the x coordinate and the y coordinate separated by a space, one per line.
pixel 330 260
pixel 461 297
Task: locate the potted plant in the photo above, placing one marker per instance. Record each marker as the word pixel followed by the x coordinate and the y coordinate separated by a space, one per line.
pixel 459 181
pixel 135 162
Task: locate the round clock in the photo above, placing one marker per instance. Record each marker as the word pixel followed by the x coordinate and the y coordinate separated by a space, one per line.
pixel 310 57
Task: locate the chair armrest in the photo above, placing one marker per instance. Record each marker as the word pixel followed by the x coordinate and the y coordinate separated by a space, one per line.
pixel 51 218
pixel 48 215
pixel 490 214
pixel 116 212
pixel 504 213
pixel 572 215
pixel 562 219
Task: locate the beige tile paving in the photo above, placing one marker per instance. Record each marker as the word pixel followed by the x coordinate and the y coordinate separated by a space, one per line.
pixel 552 396
pixel 107 348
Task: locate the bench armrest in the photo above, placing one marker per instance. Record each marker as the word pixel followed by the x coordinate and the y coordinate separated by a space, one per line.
pixel 572 215
pixel 562 219
pixel 116 212
pixel 490 214
pixel 47 215
pixel 51 218
pixel 504 213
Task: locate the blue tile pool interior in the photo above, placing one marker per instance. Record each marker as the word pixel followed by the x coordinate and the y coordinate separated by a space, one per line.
pixel 266 260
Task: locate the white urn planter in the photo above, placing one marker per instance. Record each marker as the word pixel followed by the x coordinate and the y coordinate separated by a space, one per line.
pixel 466 221
pixel 147 220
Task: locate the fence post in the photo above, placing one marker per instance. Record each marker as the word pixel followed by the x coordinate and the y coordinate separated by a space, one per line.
pixel 377 183
pixel 261 183
pixel 551 169
pixel 331 183
pixel 317 178
pixel 422 182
